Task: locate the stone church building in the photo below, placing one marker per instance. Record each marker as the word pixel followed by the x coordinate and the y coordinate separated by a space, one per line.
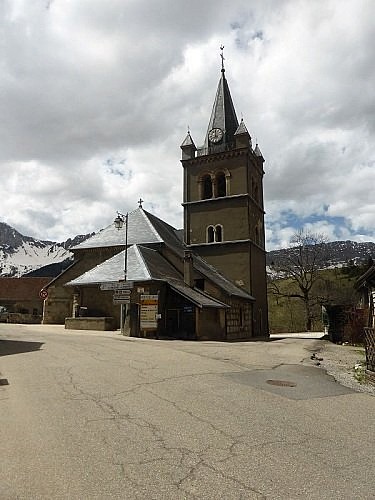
pixel 205 282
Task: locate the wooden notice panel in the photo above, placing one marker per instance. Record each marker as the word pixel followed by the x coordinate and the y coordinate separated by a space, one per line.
pixel 149 311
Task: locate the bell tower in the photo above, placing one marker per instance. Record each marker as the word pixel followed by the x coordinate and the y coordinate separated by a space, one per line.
pixel 223 201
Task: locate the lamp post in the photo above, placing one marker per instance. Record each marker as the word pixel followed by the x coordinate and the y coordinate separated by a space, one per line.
pixel 119 222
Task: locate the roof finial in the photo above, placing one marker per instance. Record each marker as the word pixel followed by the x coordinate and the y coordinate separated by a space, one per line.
pixel 222 58
pixel 140 201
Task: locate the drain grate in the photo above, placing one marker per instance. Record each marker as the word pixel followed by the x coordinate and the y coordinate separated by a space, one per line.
pixel 281 383
pixel 4 381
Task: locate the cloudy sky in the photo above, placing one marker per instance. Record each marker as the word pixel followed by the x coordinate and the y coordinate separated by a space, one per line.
pixel 96 97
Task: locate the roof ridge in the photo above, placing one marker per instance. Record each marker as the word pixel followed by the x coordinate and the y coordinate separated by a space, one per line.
pixel 159 219
pixel 145 214
pixel 139 254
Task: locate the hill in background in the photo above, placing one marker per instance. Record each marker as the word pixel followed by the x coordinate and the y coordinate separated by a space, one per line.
pixel 338 253
pixel 21 255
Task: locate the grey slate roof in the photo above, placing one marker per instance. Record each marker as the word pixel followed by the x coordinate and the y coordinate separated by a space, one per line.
pixel 198 298
pixel 140 231
pixel 145 228
pixel 113 269
pixel 144 264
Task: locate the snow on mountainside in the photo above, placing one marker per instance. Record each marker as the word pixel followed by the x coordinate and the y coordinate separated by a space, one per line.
pixel 22 254
pixel 337 253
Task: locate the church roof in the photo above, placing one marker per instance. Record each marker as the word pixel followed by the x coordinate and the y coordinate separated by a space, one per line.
pixel 196 296
pixel 223 114
pixel 141 266
pixel 143 228
pixel 144 264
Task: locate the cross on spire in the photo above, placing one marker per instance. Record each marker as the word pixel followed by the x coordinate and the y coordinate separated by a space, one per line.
pixel 140 201
pixel 222 57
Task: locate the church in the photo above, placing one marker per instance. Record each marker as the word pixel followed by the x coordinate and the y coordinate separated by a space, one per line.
pixel 207 282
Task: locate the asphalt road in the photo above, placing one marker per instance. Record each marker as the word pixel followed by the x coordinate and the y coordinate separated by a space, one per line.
pixel 99 416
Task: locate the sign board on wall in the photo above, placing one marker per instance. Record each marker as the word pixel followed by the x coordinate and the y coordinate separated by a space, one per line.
pixel 149 312
pixel 121 296
pixel 120 285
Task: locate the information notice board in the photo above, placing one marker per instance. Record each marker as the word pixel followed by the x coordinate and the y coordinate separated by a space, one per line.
pixel 149 311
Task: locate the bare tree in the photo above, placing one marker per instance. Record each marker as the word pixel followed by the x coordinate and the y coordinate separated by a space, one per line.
pixel 300 265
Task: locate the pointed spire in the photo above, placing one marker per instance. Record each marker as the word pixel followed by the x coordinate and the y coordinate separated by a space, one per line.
pixel 257 151
pixel 241 129
pixel 242 136
pixel 188 147
pixel 188 141
pixel 223 122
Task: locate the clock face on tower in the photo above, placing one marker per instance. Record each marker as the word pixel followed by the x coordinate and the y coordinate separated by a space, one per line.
pixel 215 135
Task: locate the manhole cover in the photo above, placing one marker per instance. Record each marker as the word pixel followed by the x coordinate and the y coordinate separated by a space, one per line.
pixel 4 381
pixel 281 383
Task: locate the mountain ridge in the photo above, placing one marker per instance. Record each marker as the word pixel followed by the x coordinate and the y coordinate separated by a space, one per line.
pixel 337 253
pixel 27 256
pixel 21 255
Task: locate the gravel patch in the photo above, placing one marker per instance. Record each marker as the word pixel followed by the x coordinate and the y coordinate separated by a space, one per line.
pixel 339 361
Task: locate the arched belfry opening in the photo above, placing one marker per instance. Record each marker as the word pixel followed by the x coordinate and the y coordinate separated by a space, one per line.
pixel 210 234
pixel 207 191
pixel 219 233
pixel 221 184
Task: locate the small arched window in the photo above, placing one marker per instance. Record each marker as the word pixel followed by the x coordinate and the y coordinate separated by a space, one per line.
pixel 215 234
pixel 210 234
pixel 207 187
pixel 221 185
pixel 219 233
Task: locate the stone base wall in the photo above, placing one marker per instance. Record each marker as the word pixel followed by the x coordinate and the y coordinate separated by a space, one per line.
pixel 101 324
pixel 29 319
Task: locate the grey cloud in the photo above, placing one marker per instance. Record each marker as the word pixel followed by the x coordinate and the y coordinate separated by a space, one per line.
pixel 85 81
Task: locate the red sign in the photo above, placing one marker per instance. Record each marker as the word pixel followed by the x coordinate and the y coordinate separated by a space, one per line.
pixel 43 294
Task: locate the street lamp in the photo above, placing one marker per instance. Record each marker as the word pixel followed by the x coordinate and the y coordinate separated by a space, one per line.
pixel 119 222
